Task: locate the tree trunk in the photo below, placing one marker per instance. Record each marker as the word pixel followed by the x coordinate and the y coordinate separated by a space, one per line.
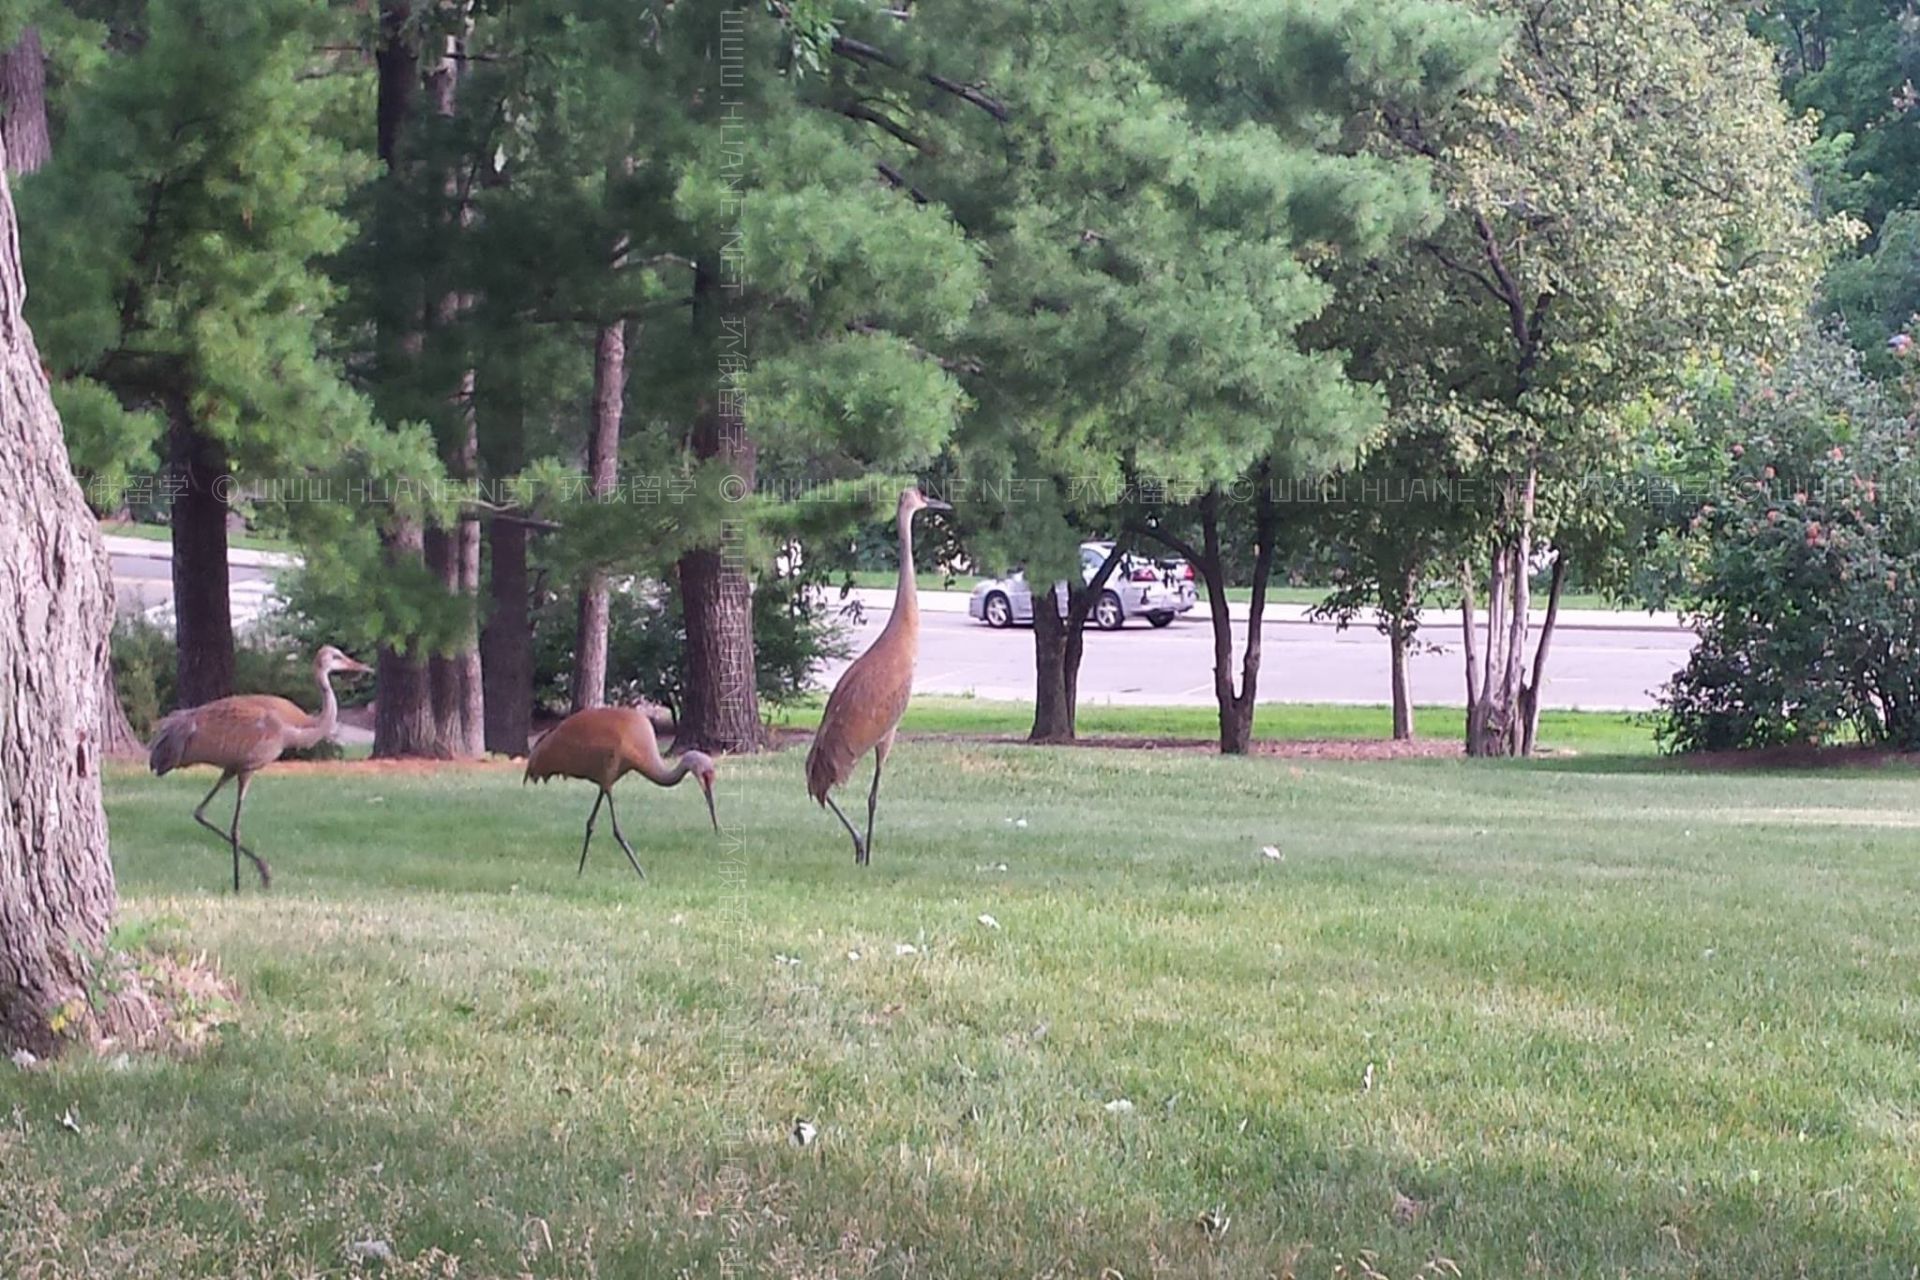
pixel 23 98
pixel 203 621
pixel 1054 707
pixel 1530 693
pixel 403 720
pixel 506 644
pixel 117 738
pixel 1397 639
pixel 1057 653
pixel 603 464
pixel 453 555
pixel 722 710
pixel 1495 717
pixel 57 892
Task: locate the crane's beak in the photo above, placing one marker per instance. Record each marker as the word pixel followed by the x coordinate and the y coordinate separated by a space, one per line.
pixel 934 504
pixel 707 789
pixel 359 668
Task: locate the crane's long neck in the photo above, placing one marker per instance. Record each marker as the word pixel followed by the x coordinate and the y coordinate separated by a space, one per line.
pixel 320 728
pixel 906 598
pixel 650 766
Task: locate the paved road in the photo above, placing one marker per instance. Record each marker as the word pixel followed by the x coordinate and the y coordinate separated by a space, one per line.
pixel 1599 669
pixel 1601 662
pixel 143 579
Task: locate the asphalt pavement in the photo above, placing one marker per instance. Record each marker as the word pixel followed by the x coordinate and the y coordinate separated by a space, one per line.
pixel 1600 661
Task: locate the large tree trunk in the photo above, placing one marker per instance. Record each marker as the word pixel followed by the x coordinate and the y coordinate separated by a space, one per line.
pixel 56 607
pixel 117 738
pixel 23 99
pixel 506 645
pixel 603 463
pixel 203 621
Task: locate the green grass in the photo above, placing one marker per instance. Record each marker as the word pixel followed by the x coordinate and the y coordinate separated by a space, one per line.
pixel 1622 1019
pixel 1581 731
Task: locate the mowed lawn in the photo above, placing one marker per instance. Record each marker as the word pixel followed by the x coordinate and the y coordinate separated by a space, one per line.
pixel 1590 1017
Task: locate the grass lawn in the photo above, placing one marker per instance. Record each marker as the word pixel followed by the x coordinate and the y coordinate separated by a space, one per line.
pixel 1596 1016
pixel 1582 731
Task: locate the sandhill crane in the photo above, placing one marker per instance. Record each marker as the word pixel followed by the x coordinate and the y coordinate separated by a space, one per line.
pixel 864 709
pixel 243 735
pixel 603 745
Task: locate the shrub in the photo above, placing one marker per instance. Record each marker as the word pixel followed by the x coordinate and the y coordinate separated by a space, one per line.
pixel 1807 592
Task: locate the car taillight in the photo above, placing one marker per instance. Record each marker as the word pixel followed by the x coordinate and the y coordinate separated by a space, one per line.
pixel 1186 571
pixel 1145 574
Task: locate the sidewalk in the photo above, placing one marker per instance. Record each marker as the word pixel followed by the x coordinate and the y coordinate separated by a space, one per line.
pixel 1295 615
pixel 161 549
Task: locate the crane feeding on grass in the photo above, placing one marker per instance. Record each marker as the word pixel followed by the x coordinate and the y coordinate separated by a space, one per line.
pixel 243 735
pixel 603 745
pixel 865 707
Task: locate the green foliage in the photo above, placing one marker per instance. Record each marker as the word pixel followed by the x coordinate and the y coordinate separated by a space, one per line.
pixel 1808 586
pixel 793 634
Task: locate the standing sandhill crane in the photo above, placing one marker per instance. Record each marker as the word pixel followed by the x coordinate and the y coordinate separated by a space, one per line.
pixel 603 745
pixel 864 709
pixel 243 735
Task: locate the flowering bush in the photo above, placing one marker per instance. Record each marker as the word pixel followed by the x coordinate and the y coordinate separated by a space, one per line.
pixel 1807 594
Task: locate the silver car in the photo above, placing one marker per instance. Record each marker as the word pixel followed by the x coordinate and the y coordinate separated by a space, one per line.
pixel 1137 588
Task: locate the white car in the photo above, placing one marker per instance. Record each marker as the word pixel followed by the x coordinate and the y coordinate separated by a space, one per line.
pixel 1158 591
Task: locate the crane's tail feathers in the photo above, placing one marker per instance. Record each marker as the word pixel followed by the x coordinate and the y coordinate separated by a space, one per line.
pixel 169 743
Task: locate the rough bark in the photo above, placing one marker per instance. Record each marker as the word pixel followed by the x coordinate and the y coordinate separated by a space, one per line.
pixel 57 891
pixel 603 463
pixel 23 100
pixel 506 644
pixel 117 738
pixel 203 620
pixel 722 709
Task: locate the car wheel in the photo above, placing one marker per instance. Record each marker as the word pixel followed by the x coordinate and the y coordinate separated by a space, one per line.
pixel 998 611
pixel 1160 619
pixel 1108 615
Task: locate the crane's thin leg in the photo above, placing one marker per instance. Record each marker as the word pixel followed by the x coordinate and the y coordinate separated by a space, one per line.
pixel 589 840
pixel 233 836
pixel 614 814
pixel 859 849
pixel 873 795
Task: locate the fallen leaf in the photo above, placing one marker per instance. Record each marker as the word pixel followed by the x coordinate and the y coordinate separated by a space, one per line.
pixel 1119 1107
pixel 68 1120
pixel 372 1251
pixel 1272 853
pixel 803 1133
pixel 990 922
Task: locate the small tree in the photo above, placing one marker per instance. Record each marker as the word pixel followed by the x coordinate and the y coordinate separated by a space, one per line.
pixel 1627 193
